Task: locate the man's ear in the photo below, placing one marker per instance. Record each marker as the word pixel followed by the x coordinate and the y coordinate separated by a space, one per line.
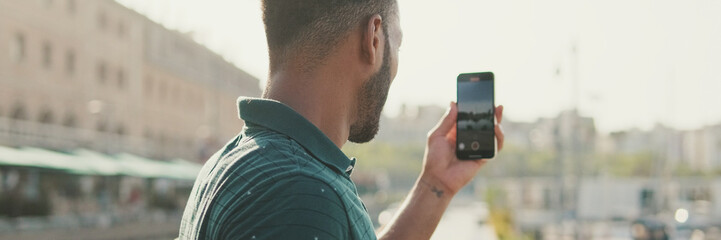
pixel 371 42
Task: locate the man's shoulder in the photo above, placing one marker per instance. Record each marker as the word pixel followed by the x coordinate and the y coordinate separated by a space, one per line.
pixel 272 184
pixel 269 152
pixel 297 206
pixel 268 159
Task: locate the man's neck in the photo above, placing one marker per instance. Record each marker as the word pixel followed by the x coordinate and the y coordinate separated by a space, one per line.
pixel 317 98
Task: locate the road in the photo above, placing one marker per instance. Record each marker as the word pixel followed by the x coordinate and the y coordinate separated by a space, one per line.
pixel 464 220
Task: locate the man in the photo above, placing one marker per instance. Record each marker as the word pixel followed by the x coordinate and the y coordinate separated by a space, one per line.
pixel 284 176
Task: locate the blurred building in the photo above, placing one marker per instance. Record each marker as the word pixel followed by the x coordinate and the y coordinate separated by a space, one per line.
pixel 606 205
pixel 630 141
pixel 411 125
pixel 95 74
pixel 567 132
pixel 698 149
pixel 702 147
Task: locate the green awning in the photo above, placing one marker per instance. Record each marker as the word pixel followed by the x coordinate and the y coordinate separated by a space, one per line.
pixel 187 169
pixel 88 162
pixel 44 158
pixel 100 163
pixel 149 168
pixel 13 157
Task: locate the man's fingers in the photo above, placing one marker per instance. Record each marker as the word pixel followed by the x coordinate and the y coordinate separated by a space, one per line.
pixel 499 136
pixel 499 129
pixel 499 114
pixel 446 124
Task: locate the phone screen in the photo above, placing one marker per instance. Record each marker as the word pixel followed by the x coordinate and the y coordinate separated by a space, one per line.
pixel 475 128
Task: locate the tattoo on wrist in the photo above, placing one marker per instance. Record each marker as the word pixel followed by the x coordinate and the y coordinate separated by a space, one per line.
pixel 434 189
pixel 437 191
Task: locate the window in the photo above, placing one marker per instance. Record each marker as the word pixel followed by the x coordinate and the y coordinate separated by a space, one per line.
pixel 71 6
pixel 69 121
pixel 101 126
pixel 102 72
pixel 46 117
pixel 147 135
pixel 161 91
pixel 174 93
pixel 121 79
pixel 120 130
pixel 18 113
pixel 70 62
pixel 47 55
pixel 121 30
pixel 162 139
pixel 189 97
pixel 102 21
pixel 17 48
pixel 148 86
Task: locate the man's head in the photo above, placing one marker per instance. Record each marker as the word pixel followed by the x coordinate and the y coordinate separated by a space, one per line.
pixel 304 33
pixel 312 28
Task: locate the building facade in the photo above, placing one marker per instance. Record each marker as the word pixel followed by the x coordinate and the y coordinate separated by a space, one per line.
pixel 97 75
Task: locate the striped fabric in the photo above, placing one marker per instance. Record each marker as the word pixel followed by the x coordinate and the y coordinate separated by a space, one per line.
pixel 281 178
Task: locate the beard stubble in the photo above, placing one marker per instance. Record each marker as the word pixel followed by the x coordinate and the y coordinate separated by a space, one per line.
pixel 371 99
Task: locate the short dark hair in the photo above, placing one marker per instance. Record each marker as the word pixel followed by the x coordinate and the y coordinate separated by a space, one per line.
pixel 312 28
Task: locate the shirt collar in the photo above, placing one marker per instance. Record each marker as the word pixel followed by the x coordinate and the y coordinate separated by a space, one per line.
pixel 279 117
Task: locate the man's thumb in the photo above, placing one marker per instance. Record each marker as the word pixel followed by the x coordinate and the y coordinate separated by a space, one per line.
pixel 446 123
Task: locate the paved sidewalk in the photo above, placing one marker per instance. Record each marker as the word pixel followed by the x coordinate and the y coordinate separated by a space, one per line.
pixel 127 231
pixel 465 221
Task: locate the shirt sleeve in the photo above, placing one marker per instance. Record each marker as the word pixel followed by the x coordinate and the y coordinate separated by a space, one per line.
pixel 299 207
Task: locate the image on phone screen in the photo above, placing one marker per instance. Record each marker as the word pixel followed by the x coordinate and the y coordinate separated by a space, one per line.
pixel 475 127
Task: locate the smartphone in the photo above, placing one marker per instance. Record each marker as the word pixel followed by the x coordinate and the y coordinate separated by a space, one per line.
pixel 475 126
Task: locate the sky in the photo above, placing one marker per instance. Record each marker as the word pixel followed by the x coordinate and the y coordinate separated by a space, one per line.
pixel 628 64
pixel 475 96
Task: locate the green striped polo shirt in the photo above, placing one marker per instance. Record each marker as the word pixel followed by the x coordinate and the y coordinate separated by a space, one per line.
pixel 280 178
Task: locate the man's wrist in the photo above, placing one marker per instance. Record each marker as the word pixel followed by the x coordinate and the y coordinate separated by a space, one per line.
pixel 435 186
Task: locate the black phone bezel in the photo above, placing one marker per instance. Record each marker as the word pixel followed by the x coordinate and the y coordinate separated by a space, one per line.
pixel 481 154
